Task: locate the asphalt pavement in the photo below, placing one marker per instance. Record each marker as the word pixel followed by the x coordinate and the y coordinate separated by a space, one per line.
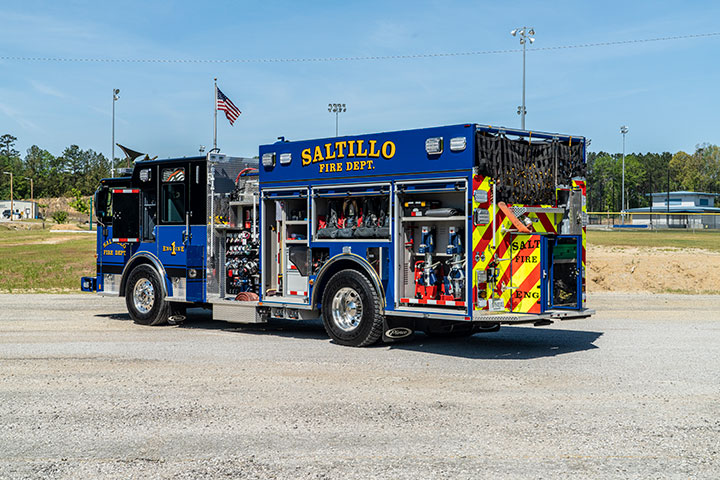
pixel 633 392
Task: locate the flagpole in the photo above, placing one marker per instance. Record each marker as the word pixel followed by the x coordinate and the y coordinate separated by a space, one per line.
pixel 215 111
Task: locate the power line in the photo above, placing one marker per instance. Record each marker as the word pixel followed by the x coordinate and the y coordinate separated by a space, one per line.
pixel 349 58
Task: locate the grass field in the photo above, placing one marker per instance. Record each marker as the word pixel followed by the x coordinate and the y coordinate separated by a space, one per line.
pixel 708 240
pixel 52 262
pixel 43 261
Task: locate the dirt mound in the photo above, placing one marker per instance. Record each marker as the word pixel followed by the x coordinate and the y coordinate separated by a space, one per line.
pixel 653 270
pixel 61 204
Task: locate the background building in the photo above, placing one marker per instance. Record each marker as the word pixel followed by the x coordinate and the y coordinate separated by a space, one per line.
pixel 681 209
pixel 23 209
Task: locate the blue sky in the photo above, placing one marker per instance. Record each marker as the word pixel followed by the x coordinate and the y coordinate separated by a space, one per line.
pixel 666 92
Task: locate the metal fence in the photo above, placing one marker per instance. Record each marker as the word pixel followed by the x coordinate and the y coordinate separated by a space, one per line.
pixel 655 220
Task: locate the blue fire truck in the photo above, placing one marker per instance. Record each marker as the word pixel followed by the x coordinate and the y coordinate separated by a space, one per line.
pixel 448 230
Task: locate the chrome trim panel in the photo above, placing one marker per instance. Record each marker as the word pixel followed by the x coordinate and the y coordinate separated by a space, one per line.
pixel 111 285
pixel 179 286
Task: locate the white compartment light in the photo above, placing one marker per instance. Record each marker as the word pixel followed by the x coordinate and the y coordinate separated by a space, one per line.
pixel 434 146
pixel 285 158
pixel 268 160
pixel 458 144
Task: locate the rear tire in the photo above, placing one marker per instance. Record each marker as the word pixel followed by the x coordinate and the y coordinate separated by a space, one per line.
pixel 351 310
pixel 144 297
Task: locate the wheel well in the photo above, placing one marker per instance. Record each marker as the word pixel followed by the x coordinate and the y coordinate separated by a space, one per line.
pixel 132 265
pixel 344 264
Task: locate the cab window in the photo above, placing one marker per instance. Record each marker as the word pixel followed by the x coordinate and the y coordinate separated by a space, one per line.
pixel 173 195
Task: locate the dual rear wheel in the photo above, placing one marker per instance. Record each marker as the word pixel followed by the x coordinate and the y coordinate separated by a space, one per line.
pixel 351 310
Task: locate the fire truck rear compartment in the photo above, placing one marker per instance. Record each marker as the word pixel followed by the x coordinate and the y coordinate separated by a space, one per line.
pixel 431 246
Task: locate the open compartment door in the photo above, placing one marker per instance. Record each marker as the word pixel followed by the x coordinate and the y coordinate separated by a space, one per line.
pixel 526 266
pixel 564 261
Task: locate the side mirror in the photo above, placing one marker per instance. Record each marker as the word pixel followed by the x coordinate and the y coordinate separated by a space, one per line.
pixel 101 203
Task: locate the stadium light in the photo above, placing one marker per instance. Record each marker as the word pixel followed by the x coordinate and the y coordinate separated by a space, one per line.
pixel 526 35
pixel 336 108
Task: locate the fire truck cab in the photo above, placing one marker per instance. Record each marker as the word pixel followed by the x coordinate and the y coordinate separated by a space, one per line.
pixel 449 230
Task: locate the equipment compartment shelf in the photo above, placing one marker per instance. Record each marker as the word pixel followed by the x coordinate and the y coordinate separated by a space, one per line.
pixel 295 242
pixel 455 218
pixel 228 227
pixel 296 222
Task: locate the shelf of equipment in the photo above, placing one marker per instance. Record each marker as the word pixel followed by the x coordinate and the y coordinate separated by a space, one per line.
pixel 454 218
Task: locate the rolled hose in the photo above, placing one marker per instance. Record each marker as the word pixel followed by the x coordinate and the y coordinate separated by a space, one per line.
pixel 247 297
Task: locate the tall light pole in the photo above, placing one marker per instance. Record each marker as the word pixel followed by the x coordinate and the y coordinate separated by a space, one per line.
pixel 624 130
pixel 526 35
pixel 12 204
pixel 32 194
pixel 116 95
pixel 336 108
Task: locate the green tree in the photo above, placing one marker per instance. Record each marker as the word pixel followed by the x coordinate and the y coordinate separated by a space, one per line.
pixel 38 165
pixel 9 162
pixel 83 169
pixel 79 203
pixel 710 161
pixel 603 182
pixel 689 170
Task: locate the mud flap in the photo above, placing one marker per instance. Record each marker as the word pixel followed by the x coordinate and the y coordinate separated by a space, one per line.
pixel 396 329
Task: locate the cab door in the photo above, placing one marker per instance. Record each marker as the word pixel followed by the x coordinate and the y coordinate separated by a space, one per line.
pixel 126 215
pixel 172 232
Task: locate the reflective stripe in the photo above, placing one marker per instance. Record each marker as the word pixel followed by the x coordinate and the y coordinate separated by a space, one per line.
pixel 126 190
pixel 126 240
pixel 293 292
pixel 421 301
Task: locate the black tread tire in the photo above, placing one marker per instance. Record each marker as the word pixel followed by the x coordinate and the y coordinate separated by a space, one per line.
pixel 161 309
pixel 370 328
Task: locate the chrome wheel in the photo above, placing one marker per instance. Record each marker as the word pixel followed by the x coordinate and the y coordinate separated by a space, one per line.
pixel 347 309
pixel 143 295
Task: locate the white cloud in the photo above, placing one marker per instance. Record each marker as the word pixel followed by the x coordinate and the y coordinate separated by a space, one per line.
pixel 17 117
pixel 47 89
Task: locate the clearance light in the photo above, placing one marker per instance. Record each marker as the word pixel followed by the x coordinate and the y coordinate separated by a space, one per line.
pixel 458 144
pixel 285 158
pixel 268 160
pixel 434 146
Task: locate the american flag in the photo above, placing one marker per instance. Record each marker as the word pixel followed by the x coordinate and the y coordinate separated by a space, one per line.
pixel 225 104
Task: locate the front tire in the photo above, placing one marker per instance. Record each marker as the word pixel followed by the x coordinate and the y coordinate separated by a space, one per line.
pixel 144 297
pixel 351 310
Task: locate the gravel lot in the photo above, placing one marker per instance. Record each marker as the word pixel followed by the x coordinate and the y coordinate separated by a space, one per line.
pixel 633 392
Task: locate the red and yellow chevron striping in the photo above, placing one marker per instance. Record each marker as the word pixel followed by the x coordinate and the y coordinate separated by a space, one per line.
pixel 516 257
